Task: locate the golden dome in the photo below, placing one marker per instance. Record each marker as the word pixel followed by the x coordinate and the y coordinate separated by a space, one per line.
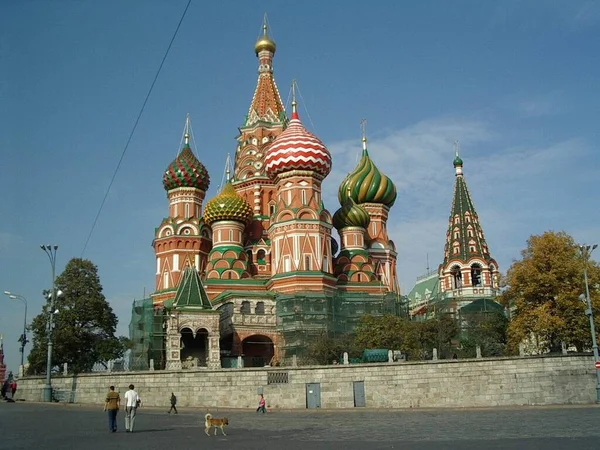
pixel 264 42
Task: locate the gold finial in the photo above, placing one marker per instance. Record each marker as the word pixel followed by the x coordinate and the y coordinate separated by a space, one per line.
pixel 363 129
pixel 264 42
pixel 186 132
pixel 294 104
pixel 227 168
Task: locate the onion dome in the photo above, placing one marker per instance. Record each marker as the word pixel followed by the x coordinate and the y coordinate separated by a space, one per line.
pixel 457 161
pixel 297 149
pixel 351 215
pixel 264 42
pixel 186 171
pixel 366 184
pixel 228 205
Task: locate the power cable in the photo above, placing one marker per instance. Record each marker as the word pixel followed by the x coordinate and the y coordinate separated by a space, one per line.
pixel 135 127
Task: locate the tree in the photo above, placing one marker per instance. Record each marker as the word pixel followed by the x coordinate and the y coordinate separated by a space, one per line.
pixel 544 289
pixel 488 330
pixel 325 348
pixel 85 325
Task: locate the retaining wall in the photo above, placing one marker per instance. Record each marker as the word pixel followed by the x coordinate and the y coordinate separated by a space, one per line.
pixel 565 379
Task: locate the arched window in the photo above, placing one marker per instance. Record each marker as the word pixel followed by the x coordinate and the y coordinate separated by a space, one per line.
pixel 249 254
pixel 476 275
pixel 260 308
pixel 260 257
pixel 245 308
pixel 456 277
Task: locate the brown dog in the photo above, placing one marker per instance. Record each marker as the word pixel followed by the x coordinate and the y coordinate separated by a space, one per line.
pixel 217 423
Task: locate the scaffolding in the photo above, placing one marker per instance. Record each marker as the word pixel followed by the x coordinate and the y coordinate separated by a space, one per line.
pixel 302 317
pixel 147 335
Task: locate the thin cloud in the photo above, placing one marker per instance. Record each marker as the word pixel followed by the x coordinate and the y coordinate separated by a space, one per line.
pixel 511 187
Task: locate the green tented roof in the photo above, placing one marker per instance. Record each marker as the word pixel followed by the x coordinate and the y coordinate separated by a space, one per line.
pixel 190 293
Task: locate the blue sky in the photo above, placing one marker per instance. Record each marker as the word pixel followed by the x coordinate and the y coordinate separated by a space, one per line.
pixel 515 81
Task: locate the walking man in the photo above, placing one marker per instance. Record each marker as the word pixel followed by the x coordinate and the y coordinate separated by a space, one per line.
pixel 132 400
pixel 173 403
pixel 111 405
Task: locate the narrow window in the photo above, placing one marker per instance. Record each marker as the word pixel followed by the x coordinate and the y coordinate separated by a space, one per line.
pixel 476 275
pixel 166 280
pixel 187 210
pixel 271 210
pixel 304 196
pixel 260 308
pixel 307 262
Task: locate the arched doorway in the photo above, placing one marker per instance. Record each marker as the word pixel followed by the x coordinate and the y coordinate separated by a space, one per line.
pixel 258 350
pixel 194 348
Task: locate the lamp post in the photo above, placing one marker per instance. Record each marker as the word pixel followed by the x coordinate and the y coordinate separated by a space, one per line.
pixel 586 251
pixel 50 250
pixel 23 338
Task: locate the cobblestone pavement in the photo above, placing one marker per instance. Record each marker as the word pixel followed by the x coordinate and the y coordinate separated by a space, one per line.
pixel 60 426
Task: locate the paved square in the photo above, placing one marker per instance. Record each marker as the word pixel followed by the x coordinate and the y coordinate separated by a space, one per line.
pixel 59 426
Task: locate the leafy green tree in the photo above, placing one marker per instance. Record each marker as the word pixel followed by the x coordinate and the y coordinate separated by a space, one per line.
pixel 380 331
pixel 325 348
pixel 85 325
pixel 543 292
pixel 438 333
pixel 488 330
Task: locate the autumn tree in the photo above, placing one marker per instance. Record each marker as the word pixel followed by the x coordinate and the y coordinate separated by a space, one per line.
pixel 84 326
pixel 543 292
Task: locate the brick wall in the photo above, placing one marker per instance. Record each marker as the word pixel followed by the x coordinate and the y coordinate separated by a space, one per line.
pixel 546 380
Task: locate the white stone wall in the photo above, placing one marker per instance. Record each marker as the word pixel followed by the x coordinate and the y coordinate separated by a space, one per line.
pixel 449 383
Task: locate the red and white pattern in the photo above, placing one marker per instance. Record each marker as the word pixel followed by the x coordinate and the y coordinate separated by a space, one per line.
pixel 297 149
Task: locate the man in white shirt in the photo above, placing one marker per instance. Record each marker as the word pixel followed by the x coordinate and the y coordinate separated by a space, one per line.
pixel 132 401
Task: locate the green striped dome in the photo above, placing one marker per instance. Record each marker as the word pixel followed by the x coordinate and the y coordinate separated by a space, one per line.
pixel 186 171
pixel 351 215
pixel 228 205
pixel 366 184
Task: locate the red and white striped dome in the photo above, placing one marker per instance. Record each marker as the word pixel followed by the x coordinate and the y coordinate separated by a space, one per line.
pixel 297 149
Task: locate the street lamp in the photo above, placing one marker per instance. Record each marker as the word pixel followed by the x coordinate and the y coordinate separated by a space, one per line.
pixel 50 250
pixel 586 251
pixel 23 338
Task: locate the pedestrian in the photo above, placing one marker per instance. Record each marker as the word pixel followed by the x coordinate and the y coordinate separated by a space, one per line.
pixel 13 388
pixel 132 401
pixel 173 403
pixel 261 404
pixel 4 390
pixel 112 404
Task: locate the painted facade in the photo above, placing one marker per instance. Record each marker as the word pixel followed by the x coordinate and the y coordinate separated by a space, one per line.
pixel 259 257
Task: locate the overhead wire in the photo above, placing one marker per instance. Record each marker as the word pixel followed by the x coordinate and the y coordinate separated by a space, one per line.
pixel 135 127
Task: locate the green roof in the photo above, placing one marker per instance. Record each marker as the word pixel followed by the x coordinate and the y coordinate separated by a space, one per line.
pixel 190 293
pixel 464 227
pixel 482 305
pixel 426 288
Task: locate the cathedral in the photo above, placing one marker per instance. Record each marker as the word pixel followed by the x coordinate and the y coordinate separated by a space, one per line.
pixel 254 273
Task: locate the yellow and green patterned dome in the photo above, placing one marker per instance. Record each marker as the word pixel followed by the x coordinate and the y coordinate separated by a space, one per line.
pixel 366 184
pixel 351 215
pixel 228 205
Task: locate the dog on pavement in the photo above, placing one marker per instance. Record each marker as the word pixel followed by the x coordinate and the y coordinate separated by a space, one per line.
pixel 209 422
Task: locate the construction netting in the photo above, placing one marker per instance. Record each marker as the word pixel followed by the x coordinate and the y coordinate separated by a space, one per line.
pixel 304 316
pixel 147 334
pixel 301 317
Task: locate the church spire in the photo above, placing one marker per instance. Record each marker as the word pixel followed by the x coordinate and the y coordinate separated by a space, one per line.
pixel 464 240
pixel 266 103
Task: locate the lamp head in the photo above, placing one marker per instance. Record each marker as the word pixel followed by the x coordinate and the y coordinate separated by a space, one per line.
pixel 582 298
pixel 12 296
pixel 7 293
